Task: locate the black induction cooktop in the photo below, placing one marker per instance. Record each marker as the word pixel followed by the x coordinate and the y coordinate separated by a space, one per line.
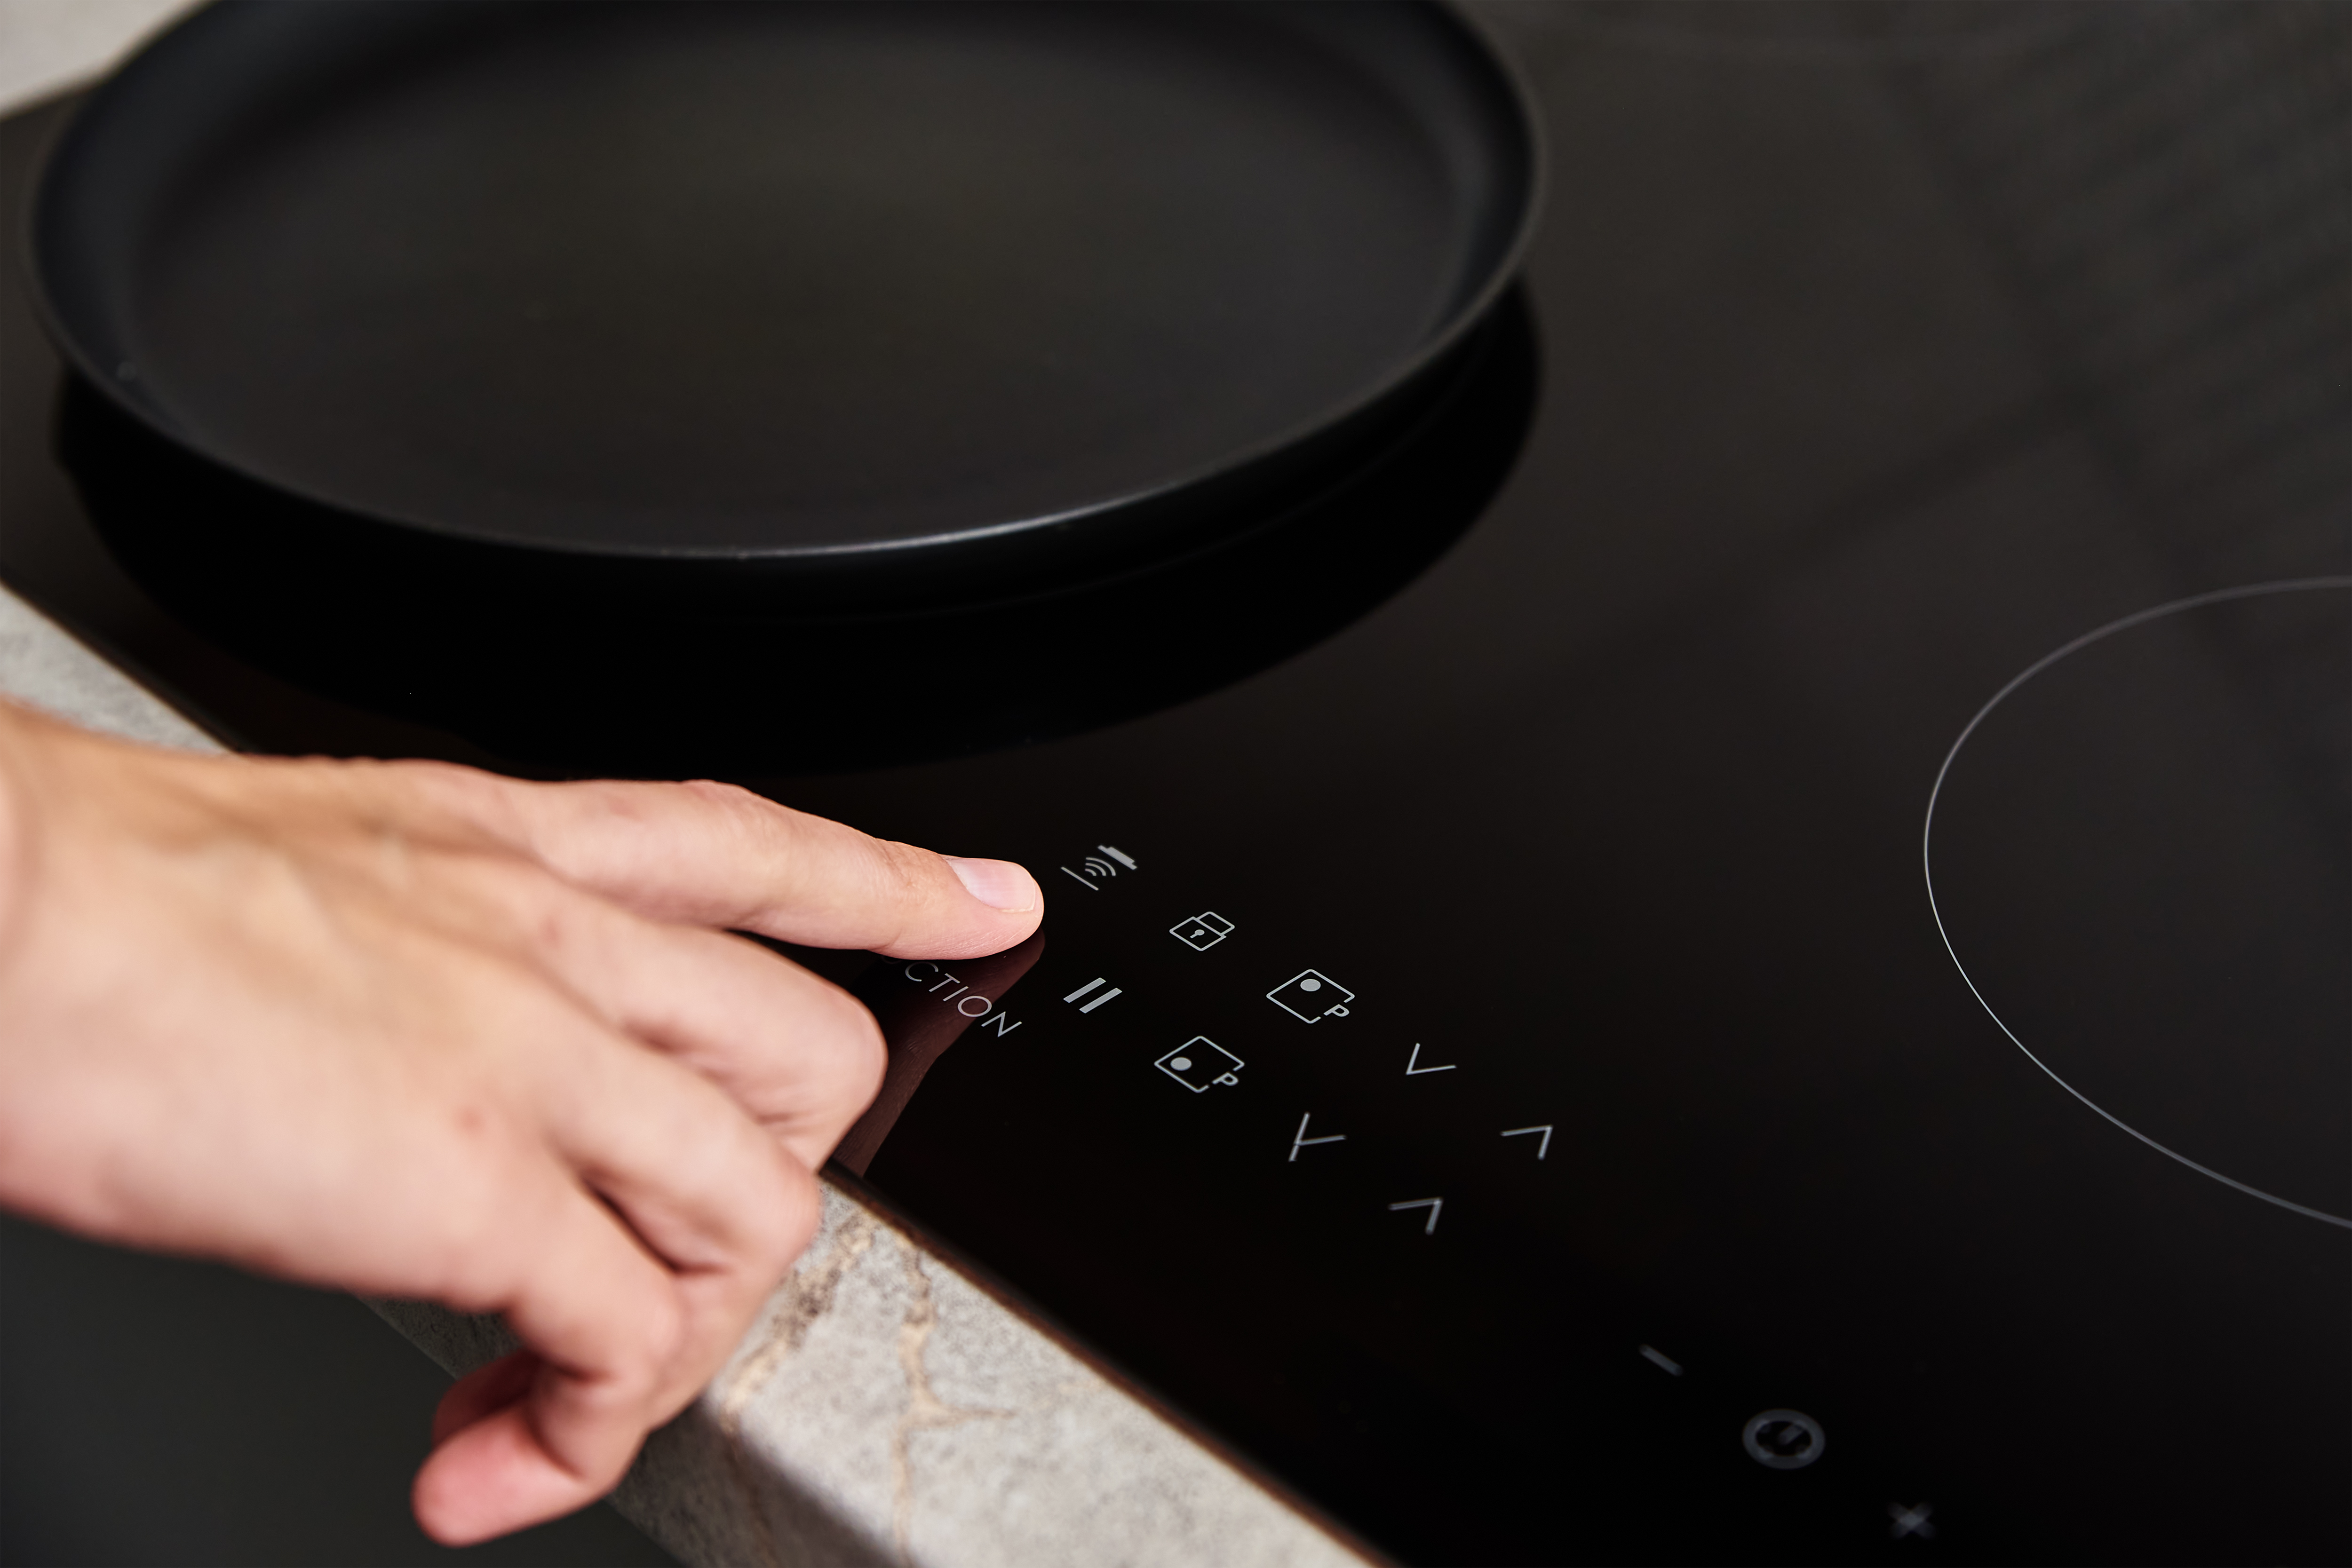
pixel 1768 983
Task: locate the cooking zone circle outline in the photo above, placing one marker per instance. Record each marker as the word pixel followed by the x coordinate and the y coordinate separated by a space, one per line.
pixel 1927 870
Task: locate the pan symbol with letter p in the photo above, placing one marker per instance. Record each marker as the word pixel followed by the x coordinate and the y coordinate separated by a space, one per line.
pixel 1311 996
pixel 1200 1063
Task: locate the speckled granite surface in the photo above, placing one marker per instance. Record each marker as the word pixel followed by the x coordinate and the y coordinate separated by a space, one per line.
pixel 884 1409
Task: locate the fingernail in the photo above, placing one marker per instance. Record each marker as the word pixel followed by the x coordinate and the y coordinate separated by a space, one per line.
pixel 1000 884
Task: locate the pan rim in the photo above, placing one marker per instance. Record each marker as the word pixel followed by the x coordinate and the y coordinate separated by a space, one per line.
pixel 1516 96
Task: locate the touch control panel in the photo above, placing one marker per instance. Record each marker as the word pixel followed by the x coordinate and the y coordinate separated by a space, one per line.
pixel 1334 1185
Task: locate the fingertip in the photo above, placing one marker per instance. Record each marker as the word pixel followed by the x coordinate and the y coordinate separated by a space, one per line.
pixel 1015 929
pixel 1001 885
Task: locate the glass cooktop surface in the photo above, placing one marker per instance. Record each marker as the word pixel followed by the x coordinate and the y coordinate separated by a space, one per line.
pixel 1764 973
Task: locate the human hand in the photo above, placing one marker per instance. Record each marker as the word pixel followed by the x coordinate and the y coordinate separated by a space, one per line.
pixel 414 1029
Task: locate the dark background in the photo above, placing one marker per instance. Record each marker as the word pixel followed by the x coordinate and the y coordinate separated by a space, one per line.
pixel 158 1410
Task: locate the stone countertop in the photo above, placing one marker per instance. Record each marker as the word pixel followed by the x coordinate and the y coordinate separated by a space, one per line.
pixel 883 1408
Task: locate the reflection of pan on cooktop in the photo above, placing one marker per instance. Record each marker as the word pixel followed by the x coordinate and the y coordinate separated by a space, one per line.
pixel 582 676
pixel 781 308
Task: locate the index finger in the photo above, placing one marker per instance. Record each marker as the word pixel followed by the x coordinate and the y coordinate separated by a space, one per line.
pixel 713 854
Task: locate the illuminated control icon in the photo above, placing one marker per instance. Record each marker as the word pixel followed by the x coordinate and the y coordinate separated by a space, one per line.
pixel 1311 996
pixel 1095 869
pixel 1200 1062
pixel 1910 1519
pixel 1202 931
pixel 1099 994
pixel 1436 1206
pixel 1783 1439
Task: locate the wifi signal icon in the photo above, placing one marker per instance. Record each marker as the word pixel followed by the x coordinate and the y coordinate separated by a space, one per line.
pixel 1096 868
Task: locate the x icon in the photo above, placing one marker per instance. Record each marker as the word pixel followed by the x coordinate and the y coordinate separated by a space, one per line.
pixel 1910 1520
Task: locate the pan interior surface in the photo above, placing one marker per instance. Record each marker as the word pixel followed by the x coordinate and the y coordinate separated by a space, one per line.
pixel 690 277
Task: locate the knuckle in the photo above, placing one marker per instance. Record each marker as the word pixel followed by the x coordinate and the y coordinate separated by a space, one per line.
pixel 598 830
pixel 604 1477
pixel 789 1221
pixel 517 908
pixel 753 820
pixel 468 794
pixel 661 1332
pixel 598 1437
pixel 907 870
pixel 771 1198
pixel 904 880
pixel 480 1200
pixel 725 1186
pixel 488 887
pixel 837 1054
pixel 512 1015
pixel 730 797
pixel 611 800
pixel 639 1345
pixel 864 1055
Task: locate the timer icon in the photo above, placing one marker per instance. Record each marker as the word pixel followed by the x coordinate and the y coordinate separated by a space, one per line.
pixel 1783 1439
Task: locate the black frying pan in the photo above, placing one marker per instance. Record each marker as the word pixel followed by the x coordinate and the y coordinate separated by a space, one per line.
pixel 832 305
